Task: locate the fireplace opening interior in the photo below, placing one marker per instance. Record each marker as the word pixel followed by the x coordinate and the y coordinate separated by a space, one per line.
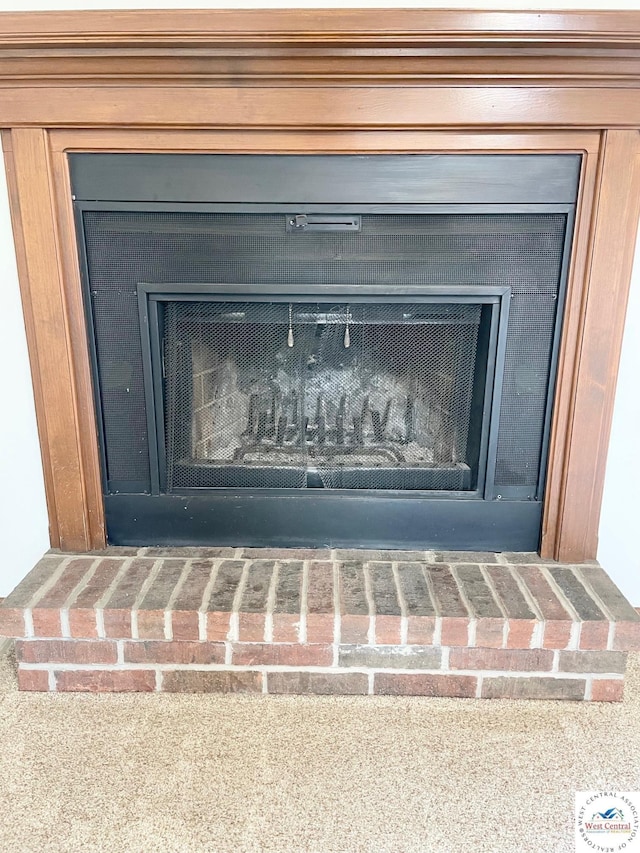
pixel 324 394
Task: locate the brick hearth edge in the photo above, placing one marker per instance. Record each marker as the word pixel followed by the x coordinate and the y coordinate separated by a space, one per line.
pixel 325 622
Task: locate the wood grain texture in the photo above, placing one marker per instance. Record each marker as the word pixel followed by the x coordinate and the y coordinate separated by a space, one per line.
pixel 83 54
pixel 297 141
pixel 191 27
pixel 571 342
pixel 321 107
pixel 605 293
pixel 50 347
pixel 87 435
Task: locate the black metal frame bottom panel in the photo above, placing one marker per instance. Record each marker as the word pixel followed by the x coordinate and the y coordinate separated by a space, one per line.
pixel 316 520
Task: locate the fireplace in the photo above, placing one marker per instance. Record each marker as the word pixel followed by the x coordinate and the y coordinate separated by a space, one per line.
pixel 310 279
pixel 374 338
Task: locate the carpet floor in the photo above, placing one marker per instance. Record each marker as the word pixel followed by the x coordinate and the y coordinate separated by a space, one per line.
pixel 319 774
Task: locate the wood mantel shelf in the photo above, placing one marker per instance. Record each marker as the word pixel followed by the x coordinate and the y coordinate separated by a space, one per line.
pixel 322 81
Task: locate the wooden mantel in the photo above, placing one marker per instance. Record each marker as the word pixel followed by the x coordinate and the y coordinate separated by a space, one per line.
pixel 323 81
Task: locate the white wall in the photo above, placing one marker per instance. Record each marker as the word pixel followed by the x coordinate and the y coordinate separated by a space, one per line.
pixel 23 523
pixel 23 515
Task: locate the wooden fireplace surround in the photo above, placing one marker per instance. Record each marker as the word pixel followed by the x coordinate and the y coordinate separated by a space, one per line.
pixel 355 81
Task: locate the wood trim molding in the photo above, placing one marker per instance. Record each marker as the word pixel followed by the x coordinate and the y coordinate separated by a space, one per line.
pixel 605 293
pixel 76 522
pixel 323 81
pixel 238 48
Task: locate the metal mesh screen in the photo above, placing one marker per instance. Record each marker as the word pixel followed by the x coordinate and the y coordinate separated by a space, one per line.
pixel 268 394
pixel 523 251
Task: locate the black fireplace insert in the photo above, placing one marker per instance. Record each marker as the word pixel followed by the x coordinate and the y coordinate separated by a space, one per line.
pixel 325 350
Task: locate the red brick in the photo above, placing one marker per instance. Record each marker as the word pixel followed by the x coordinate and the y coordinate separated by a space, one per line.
pixel 455 631
pixel 425 685
pixel 22 596
pixel 11 622
pixel 211 681
pixel 251 627
pixel 627 636
pixel 151 624
pixel 285 553
pixel 36 680
pixel 478 593
pixel 549 605
pixel 287 604
pixel 574 590
pixel 82 623
pixel 617 605
pixel 520 633
pixel 159 651
pixel 319 683
pixel 106 681
pixel 46 623
pixel 225 587
pixel 320 627
pixel 594 635
pixel 403 657
pixel 254 599
pixel 353 595
pixel 354 629
pixel 413 584
pixel 379 555
pixel 129 585
pixel 117 624
pixel 537 660
pixel 465 557
pixel 283 654
pixel 286 628
pixel 607 689
pixel 189 597
pixel 385 594
pixel 72 575
pixel 387 629
pixel 158 595
pixel 489 633
pixel 217 625
pixel 420 630
pixel 447 593
pixel 97 585
pixel 190 552
pixel 66 651
pixel 533 688
pixel 556 635
pixel 592 661
pixel 185 625
pixel 513 601
pixel 320 588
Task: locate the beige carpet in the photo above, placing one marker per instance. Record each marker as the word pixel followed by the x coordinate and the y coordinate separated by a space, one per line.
pixel 228 773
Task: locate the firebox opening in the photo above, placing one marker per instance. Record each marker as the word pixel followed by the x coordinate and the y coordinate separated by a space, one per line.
pixel 334 395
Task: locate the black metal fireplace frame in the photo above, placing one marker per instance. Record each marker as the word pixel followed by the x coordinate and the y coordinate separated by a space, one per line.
pixel 152 296
pixel 419 184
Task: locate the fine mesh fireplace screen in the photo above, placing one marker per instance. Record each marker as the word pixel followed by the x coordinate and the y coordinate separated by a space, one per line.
pixel 337 395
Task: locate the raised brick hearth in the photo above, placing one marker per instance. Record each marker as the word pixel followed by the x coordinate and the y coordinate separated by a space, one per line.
pixel 338 622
